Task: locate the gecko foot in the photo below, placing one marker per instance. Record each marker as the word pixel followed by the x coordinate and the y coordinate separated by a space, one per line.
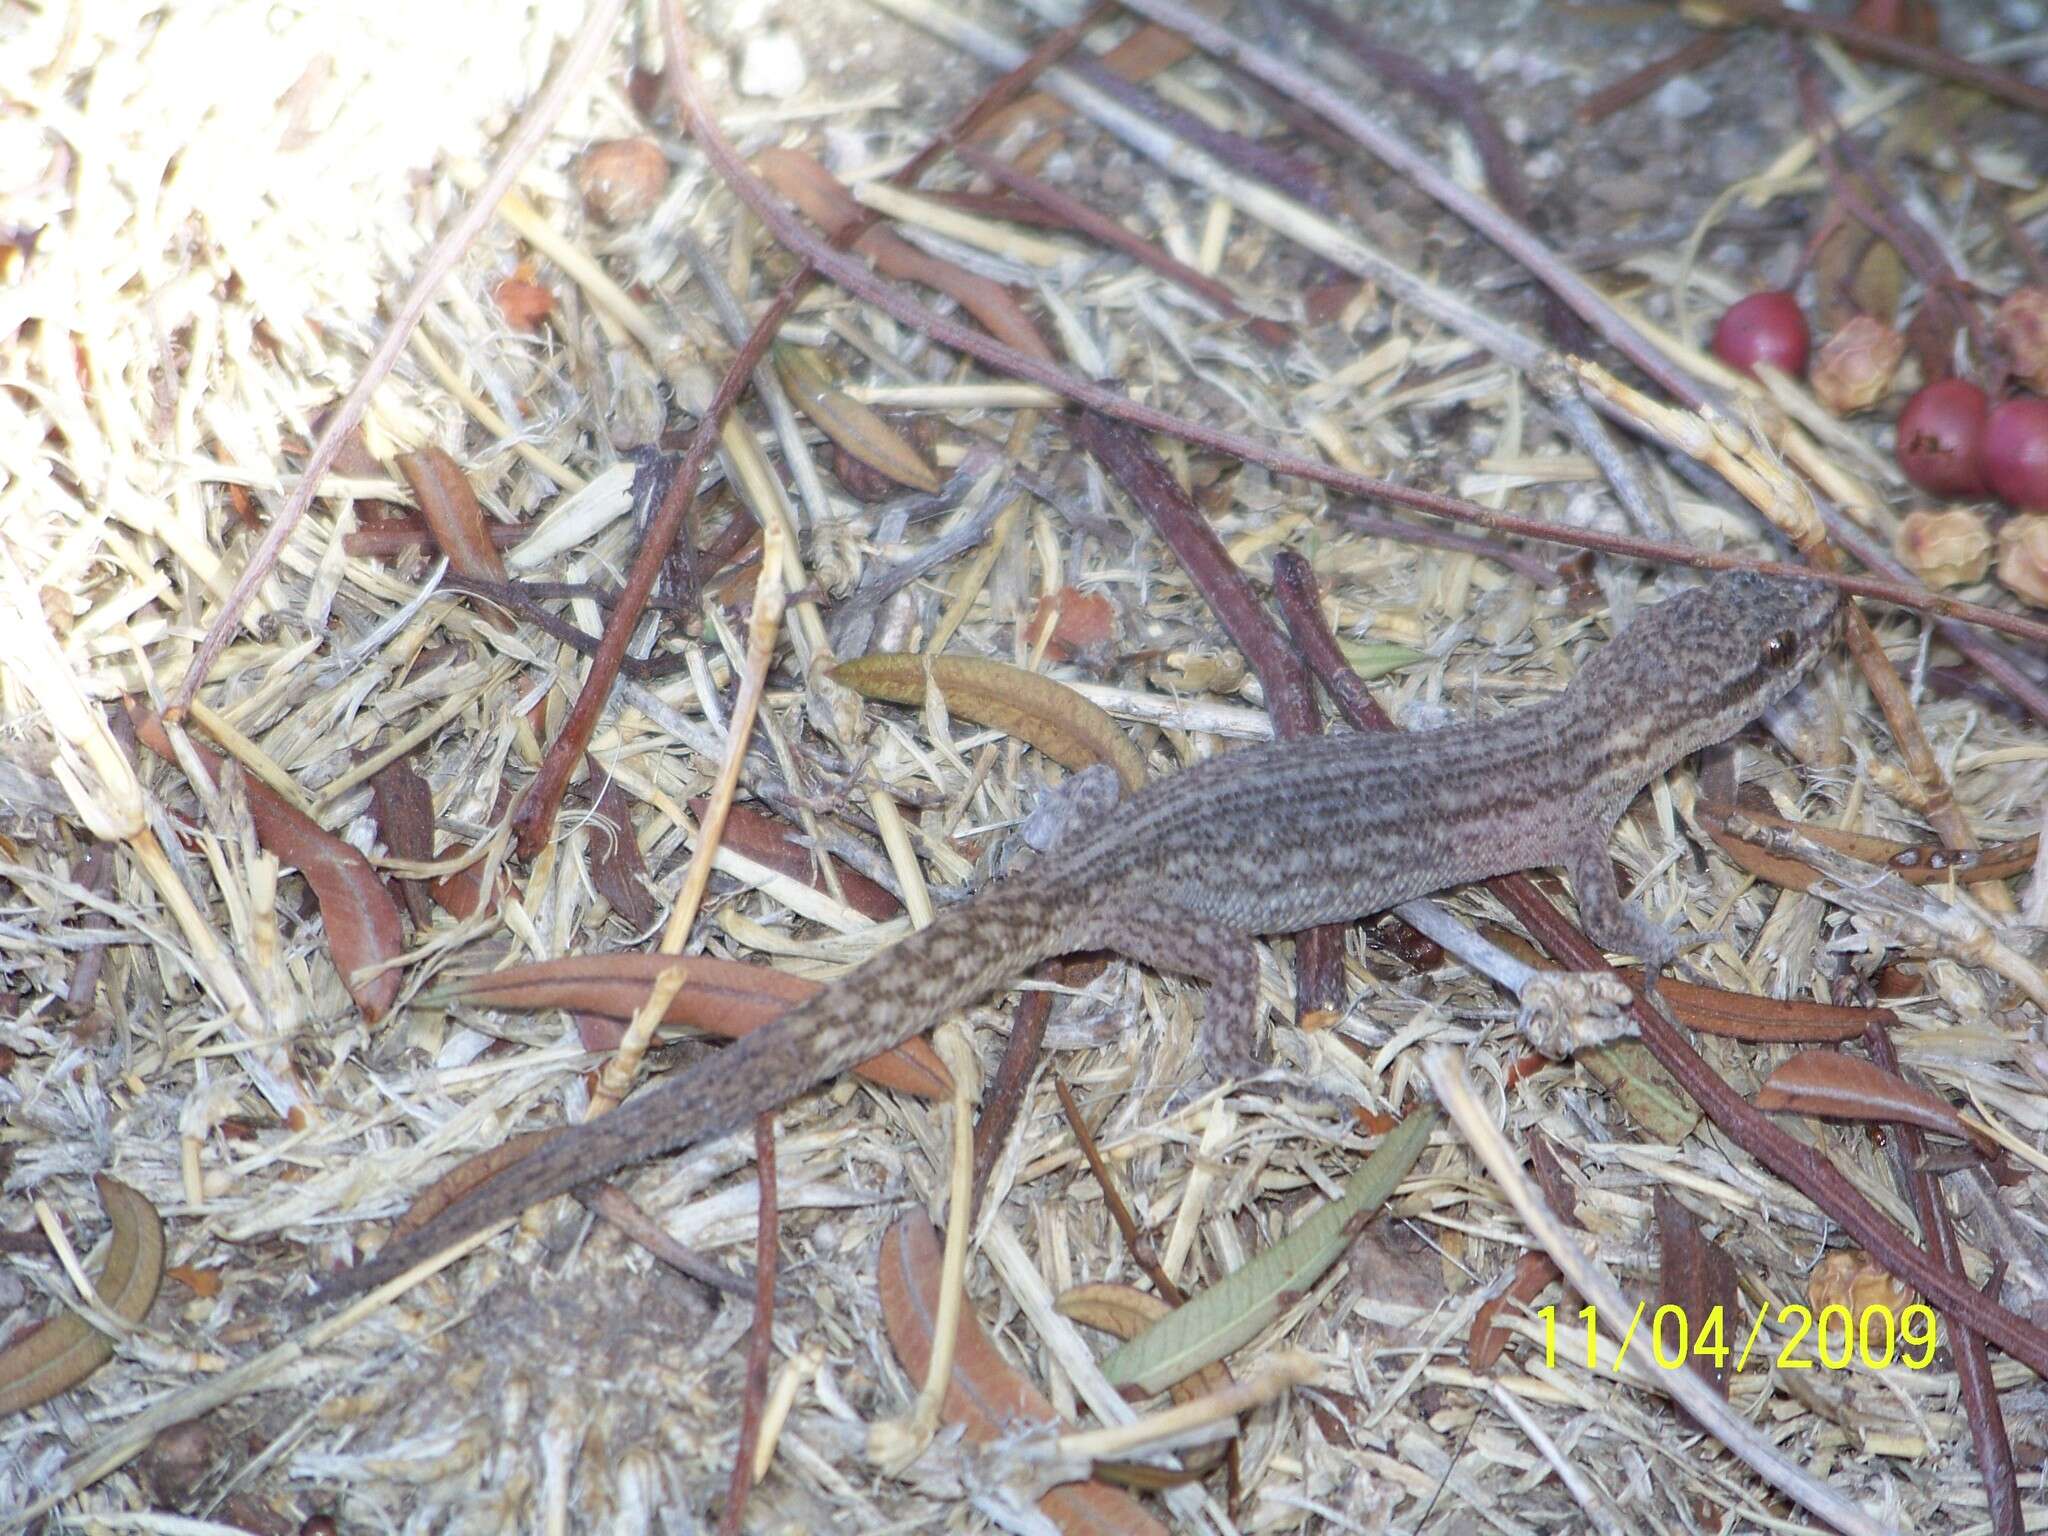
pixel 1566 1011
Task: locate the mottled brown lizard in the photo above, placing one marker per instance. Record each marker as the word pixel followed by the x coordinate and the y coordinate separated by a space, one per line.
pixel 1267 839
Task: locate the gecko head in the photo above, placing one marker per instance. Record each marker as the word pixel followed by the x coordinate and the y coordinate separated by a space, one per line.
pixel 1698 668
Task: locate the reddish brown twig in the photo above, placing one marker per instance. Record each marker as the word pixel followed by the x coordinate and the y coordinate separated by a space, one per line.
pixel 1131 463
pixel 1973 1367
pixel 1801 1166
pixel 761 1340
pixel 1452 92
pixel 1375 525
pixel 1003 1099
pixel 1261 162
pixel 1099 226
pixel 1632 88
pixel 520 598
pixel 1139 1246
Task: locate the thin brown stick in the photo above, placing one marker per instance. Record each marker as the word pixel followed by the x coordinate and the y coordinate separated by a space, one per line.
pixel 1981 1408
pixel 1451 92
pixel 1003 1099
pixel 1140 1247
pixel 1799 1165
pixel 761 1339
pixel 591 39
pixel 1100 226
pixel 1375 525
pixel 1633 87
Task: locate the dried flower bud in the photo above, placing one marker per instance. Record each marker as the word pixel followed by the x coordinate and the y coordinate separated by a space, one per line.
pixel 2021 328
pixel 1856 365
pixel 622 179
pixel 1945 549
pixel 1851 1278
pixel 2023 558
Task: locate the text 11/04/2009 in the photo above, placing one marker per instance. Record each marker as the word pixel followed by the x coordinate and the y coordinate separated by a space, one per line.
pixel 1832 1339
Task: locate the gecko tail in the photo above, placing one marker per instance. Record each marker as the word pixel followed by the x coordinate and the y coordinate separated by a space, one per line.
pixel 907 989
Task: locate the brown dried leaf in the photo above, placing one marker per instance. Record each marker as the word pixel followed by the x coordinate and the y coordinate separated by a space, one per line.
pixel 768 840
pixel 60 1353
pixel 1912 862
pixel 462 892
pixel 822 200
pixel 1054 719
pixel 612 854
pixel 403 807
pixel 453 514
pixel 523 303
pixel 203 1283
pixel 1769 1020
pixel 851 425
pixel 1852 1279
pixel 1697 1278
pixel 1485 1342
pixel 1840 1087
pixel 622 179
pixel 1549 1171
pixel 1855 272
pixel 1080 621
pixel 722 997
pixel 987 1397
pixel 363 925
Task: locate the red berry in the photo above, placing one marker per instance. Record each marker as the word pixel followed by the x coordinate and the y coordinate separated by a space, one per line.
pixel 2015 453
pixel 1763 328
pixel 1940 431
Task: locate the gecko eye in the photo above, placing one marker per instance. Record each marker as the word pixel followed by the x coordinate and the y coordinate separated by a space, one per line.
pixel 1779 650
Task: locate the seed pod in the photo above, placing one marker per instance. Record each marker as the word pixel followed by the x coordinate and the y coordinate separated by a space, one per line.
pixel 1856 365
pixel 1945 549
pixel 2023 558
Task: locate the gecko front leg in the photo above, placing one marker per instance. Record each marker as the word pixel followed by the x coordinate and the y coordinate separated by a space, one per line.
pixel 1078 804
pixel 1169 937
pixel 1572 1009
pixel 1166 936
pixel 1610 921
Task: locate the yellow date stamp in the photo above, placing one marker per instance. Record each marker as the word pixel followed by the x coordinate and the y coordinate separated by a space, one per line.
pixel 1831 1339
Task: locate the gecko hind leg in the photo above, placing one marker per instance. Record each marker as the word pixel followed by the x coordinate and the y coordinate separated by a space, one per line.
pixel 1168 937
pixel 1171 938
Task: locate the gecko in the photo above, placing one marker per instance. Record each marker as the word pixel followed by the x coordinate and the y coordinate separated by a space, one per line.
pixel 1267 839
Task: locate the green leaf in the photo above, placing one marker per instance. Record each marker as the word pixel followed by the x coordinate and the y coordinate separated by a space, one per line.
pixel 1372 659
pixel 1236 1310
